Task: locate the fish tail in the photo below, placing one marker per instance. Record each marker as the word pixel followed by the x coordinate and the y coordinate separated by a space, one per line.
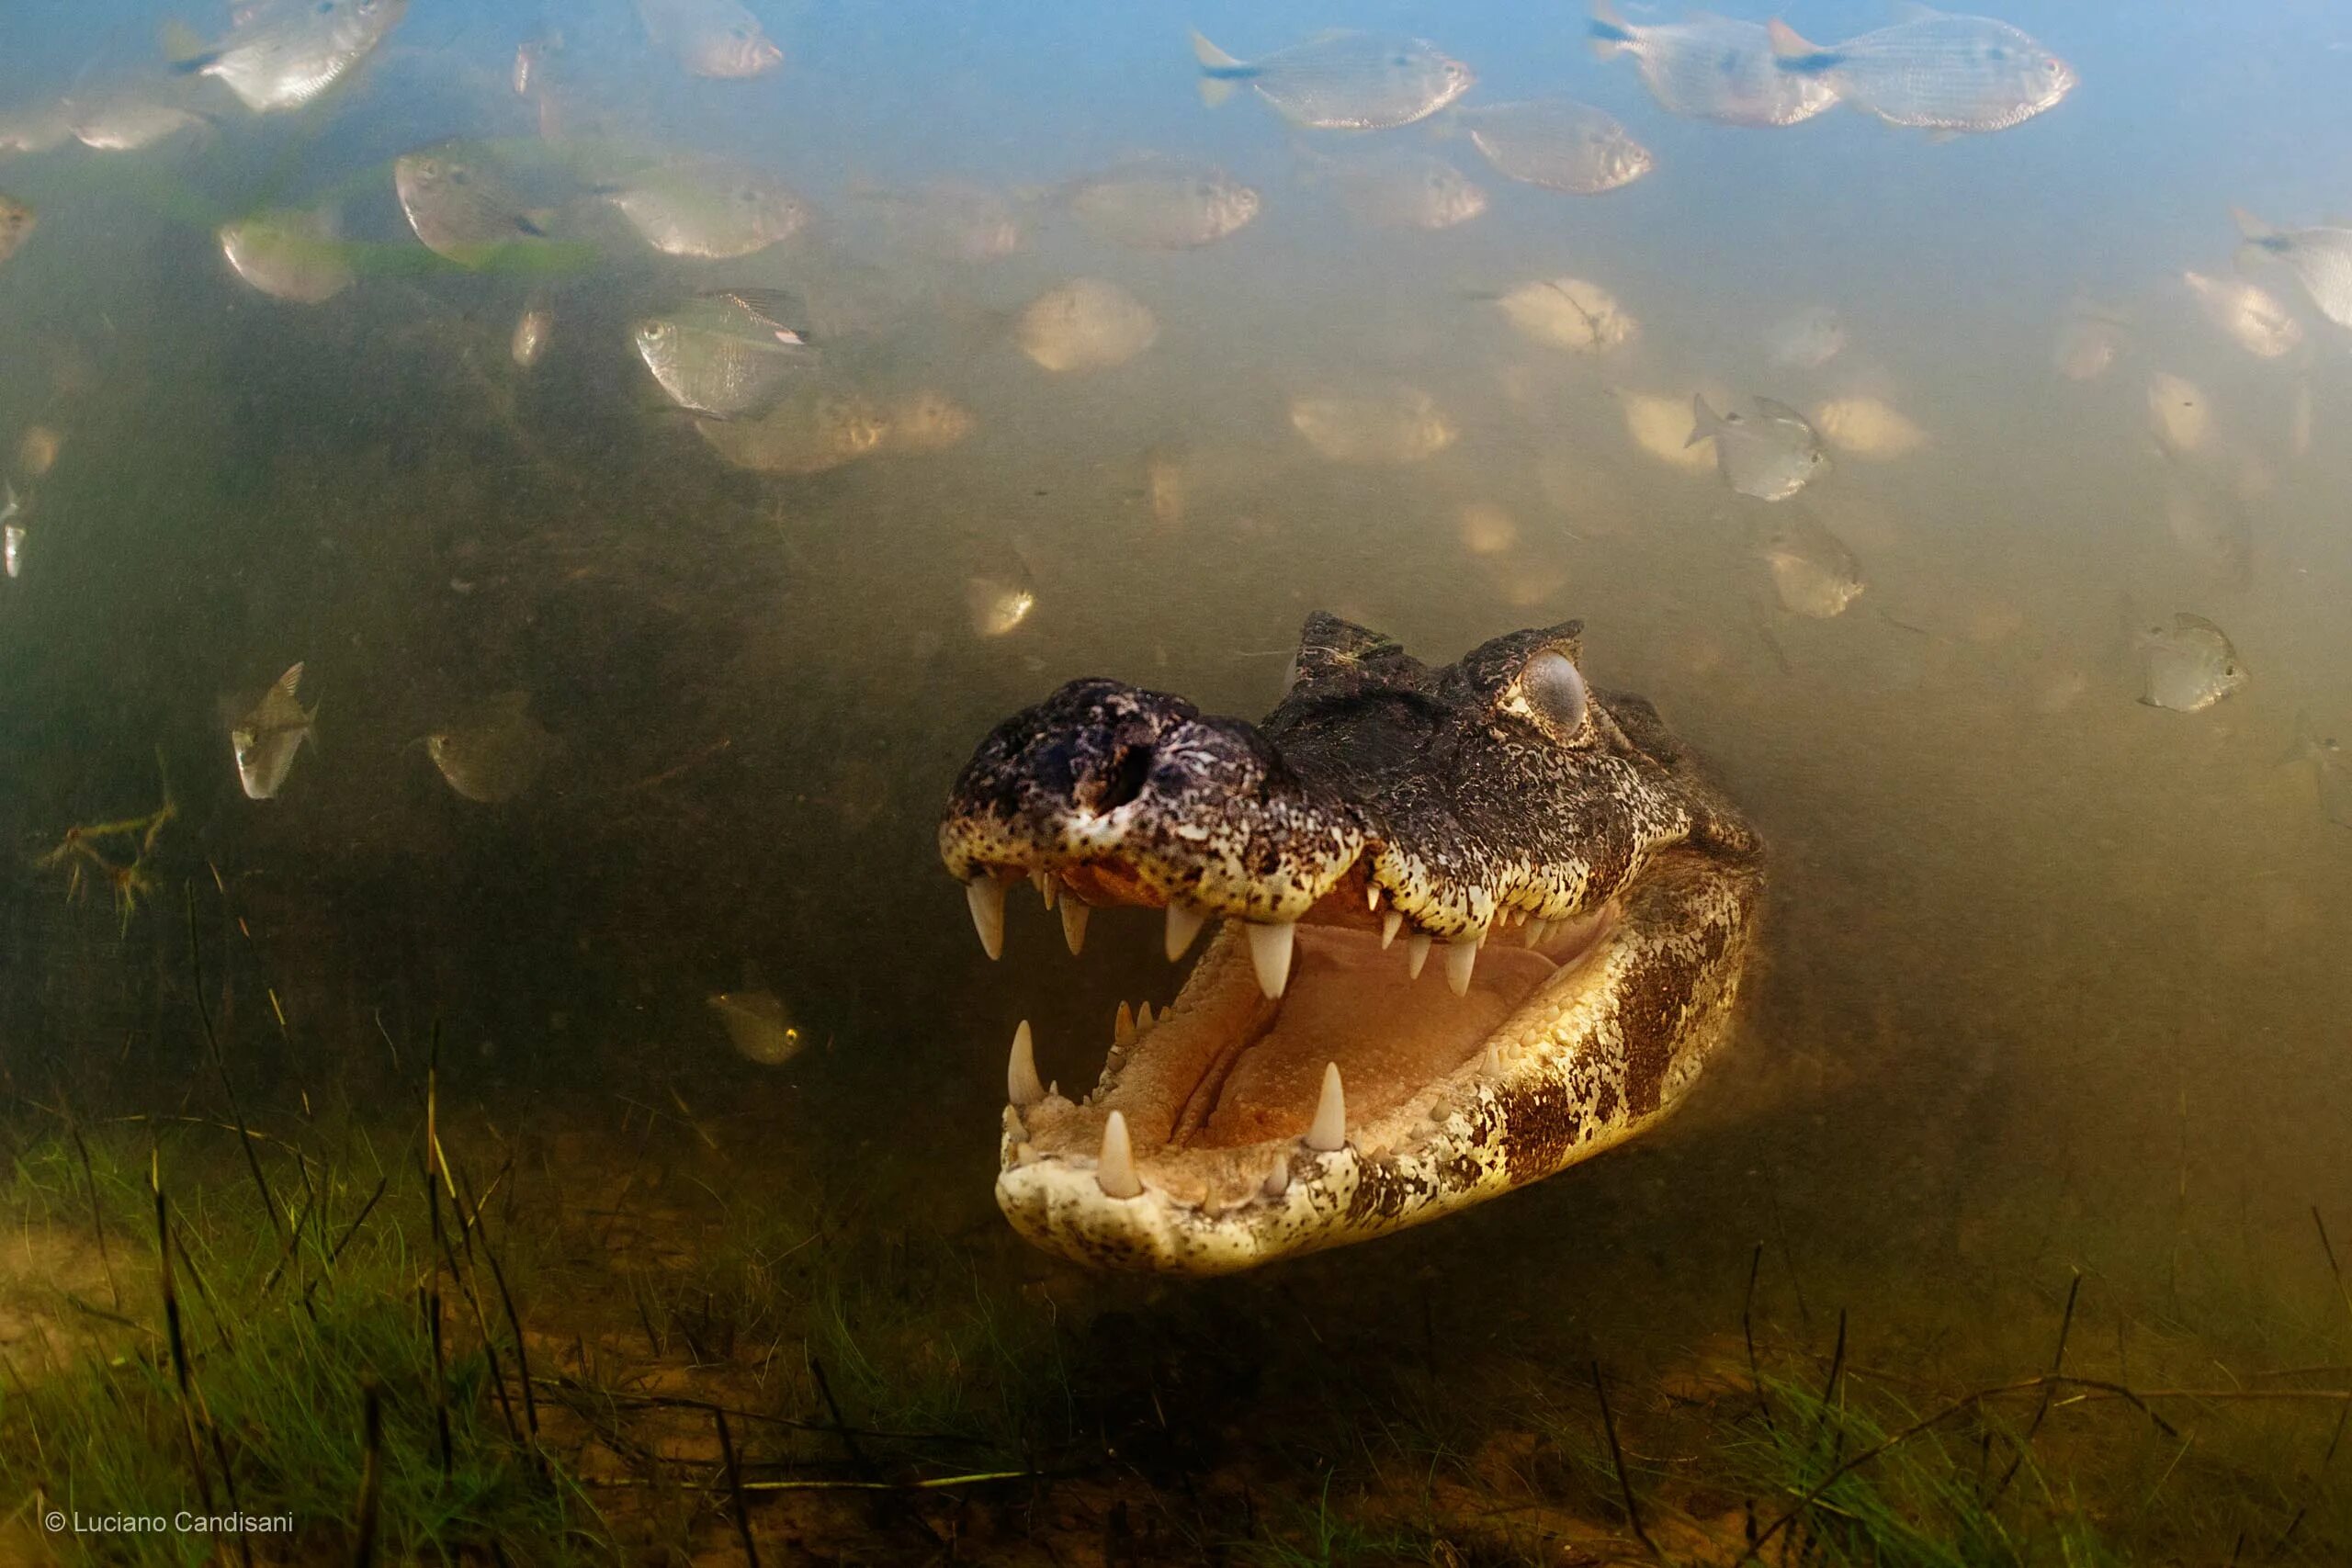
pixel 1793 51
pixel 1607 32
pixel 184 51
pixel 1219 71
pixel 311 724
pixel 1705 421
pixel 2251 227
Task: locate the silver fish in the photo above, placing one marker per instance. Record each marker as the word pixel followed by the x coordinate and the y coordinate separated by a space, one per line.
pixel 1398 188
pixel 2211 527
pixel 945 220
pixel 17 221
pixel 35 128
pixel 1771 454
pixel 532 329
pixel 130 121
pixel 727 352
pixel 1813 572
pixel 1376 423
pixel 296 256
pixel 2328 761
pixel 2088 344
pixel 461 206
pixel 717 39
pixel 1152 206
pixel 265 739
pixel 2320 258
pixel 2255 319
pixel 1711 68
pixel 493 751
pixel 12 532
pixel 758 1026
pixel 997 602
pixel 1934 71
pixel 1558 143
pixel 2187 666
pixel 1808 340
pixel 1341 80
pixel 282 57
pixel 709 210
pixel 1085 324
pixel 811 430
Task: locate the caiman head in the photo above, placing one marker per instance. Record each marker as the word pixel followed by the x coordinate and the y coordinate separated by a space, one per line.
pixel 1583 896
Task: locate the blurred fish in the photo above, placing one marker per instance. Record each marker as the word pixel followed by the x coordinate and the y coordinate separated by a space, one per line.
pixel 1558 143
pixel 37 451
pixel 2329 763
pixel 717 39
pixel 1771 454
pixel 495 750
pixel 1711 68
pixel 952 220
pixel 2254 318
pixel 1398 188
pixel 12 532
pixel 1570 313
pixel 709 210
pixel 461 205
pixel 1155 206
pixel 926 421
pixel 1814 574
pixel 2320 258
pixel 530 336
pixel 294 255
pixel 2088 341
pixel 130 121
pixel 1868 428
pixel 1000 598
pixel 2178 415
pixel 265 739
pixel 1941 72
pixel 758 1026
pixel 1659 423
pixel 2187 666
pixel 1164 485
pixel 1376 424
pixel 2211 527
pixel 282 57
pixel 1486 529
pixel 727 352
pixel 17 221
pixel 531 59
pixel 1085 324
pixel 1340 80
pixel 35 128
pixel 810 431
pixel 1807 340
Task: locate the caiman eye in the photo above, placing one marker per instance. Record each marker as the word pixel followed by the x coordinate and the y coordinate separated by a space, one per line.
pixel 1554 689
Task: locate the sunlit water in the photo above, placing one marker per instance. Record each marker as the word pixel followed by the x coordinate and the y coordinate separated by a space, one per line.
pixel 2050 977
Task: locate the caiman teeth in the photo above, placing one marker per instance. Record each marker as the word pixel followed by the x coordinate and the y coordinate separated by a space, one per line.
pixel 1114 1171
pixel 1269 951
pixel 1123 1027
pixel 1330 1132
pixel 1183 925
pixel 1043 881
pixel 986 894
pixel 1372 897
pixel 1461 958
pixel 1021 1082
pixel 1074 911
pixel 1143 1018
pixel 1389 924
pixel 1417 953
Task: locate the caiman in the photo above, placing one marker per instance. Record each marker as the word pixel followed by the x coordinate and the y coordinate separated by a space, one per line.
pixel 1585 897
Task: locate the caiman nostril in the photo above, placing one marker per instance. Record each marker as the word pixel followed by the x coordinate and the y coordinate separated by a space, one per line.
pixel 1121 783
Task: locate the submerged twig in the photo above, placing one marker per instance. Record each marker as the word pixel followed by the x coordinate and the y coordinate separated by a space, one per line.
pixel 2057 1365
pixel 172 1330
pixel 221 1065
pixel 1617 1458
pixel 735 1487
pixel 97 1217
pixel 371 1470
pixel 1747 1331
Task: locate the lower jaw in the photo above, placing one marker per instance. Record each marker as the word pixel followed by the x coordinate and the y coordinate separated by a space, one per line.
pixel 1578 1062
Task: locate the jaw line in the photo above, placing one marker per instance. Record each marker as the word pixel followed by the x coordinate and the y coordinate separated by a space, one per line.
pixel 1215 1199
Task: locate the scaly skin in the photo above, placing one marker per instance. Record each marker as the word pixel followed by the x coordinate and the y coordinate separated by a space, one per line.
pixel 1458 804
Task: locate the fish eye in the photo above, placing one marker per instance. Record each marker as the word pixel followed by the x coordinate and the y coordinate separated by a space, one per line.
pixel 1554 689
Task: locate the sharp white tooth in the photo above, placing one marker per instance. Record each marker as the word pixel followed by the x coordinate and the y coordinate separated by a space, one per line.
pixel 1533 936
pixel 1043 881
pixel 1123 1028
pixel 1389 923
pixel 1270 950
pixel 986 894
pixel 1372 897
pixel 1417 953
pixel 1114 1170
pixel 1183 925
pixel 1277 1180
pixel 1330 1132
pixel 1021 1083
pixel 1074 924
pixel 1461 958
pixel 1143 1018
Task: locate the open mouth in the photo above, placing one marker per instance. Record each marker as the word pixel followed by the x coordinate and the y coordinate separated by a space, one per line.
pixel 1299 1059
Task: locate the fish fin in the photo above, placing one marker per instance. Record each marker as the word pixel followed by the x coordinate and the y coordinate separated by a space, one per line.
pixel 1607 33
pixel 1211 57
pixel 1219 72
pixel 2188 620
pixel 1214 91
pixel 535 224
pixel 310 726
pixel 1794 51
pixel 289 683
pixel 1912 11
pixel 2251 227
pixel 772 308
pixel 183 50
pixel 2305 744
pixel 1706 420
pixel 1941 134
pixel 1777 410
